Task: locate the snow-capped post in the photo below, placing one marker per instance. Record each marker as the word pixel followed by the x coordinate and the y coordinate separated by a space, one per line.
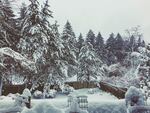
pixel 27 94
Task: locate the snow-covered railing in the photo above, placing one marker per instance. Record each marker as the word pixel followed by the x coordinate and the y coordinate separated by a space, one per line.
pixel 78 104
pixel 82 101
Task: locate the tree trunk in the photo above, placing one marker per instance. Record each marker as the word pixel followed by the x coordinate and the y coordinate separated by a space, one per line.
pixel 1 85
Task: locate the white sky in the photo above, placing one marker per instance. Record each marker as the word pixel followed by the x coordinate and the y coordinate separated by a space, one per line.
pixel 105 16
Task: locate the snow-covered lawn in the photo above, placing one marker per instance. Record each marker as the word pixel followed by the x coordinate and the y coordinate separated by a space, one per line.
pixel 100 101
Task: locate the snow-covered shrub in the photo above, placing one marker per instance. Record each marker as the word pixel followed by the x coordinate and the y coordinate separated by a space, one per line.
pixel 43 108
pixel 51 93
pixel 91 91
pixel 134 97
pixel 66 89
pixel 38 94
pixel 26 93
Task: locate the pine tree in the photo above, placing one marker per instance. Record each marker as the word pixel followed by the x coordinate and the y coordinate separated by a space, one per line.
pixel 70 49
pixel 89 64
pixel 119 42
pixel 143 43
pixel 80 43
pixel 90 37
pixel 110 49
pixel 99 43
pixel 110 43
pixel 69 37
pixel 119 48
pixel 132 43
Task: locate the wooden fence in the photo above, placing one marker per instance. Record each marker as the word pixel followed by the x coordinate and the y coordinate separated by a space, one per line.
pixel 116 91
pixel 19 88
pixel 80 85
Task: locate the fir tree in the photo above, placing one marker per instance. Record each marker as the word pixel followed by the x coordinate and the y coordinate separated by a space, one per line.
pixel 80 43
pixel 119 48
pixel 90 37
pixel 99 44
pixel 119 42
pixel 110 47
pixel 89 64
pixel 110 42
pixel 132 43
pixel 70 49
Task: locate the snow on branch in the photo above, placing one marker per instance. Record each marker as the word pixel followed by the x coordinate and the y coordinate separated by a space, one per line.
pixel 17 56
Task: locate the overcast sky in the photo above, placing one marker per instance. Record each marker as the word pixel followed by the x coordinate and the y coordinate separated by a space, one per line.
pixel 105 16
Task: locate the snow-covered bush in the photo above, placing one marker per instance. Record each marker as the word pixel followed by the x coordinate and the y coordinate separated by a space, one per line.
pixel 51 93
pixel 26 93
pixel 134 97
pixel 38 94
pixel 66 89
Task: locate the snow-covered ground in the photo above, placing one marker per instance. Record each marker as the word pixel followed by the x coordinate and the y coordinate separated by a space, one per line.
pixel 100 101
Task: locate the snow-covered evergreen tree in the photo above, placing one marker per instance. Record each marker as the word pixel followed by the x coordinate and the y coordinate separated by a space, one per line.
pixel 110 47
pixel 99 43
pixel 100 46
pixel 89 64
pixel 70 49
pixel 119 48
pixel 90 37
pixel 80 43
pixel 41 43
